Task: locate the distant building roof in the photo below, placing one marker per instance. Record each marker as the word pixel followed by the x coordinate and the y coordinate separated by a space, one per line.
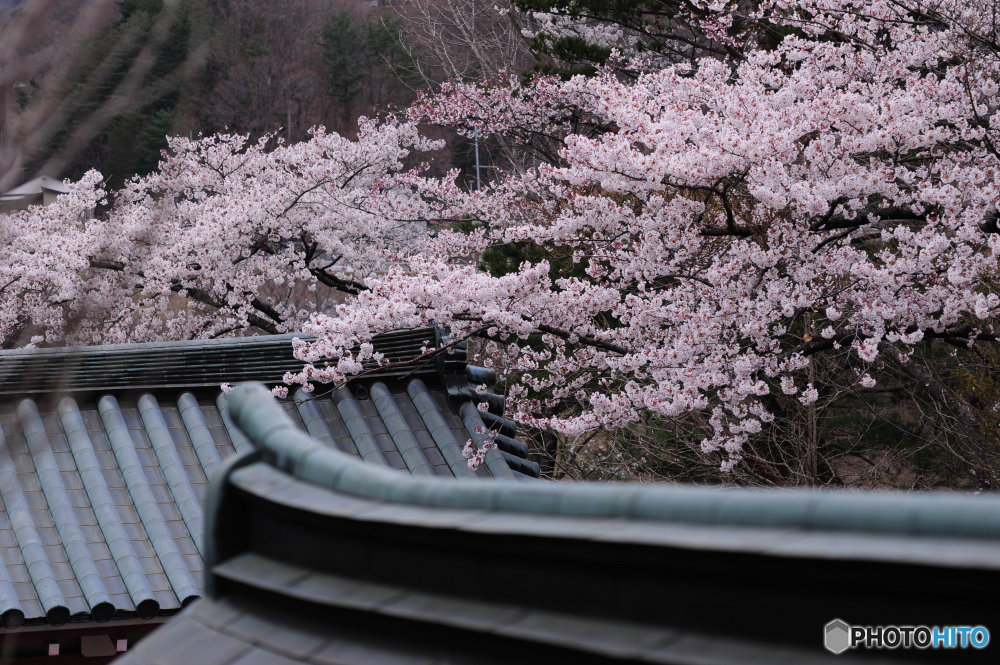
pixel 106 452
pixel 38 191
pixel 313 556
pixel 37 186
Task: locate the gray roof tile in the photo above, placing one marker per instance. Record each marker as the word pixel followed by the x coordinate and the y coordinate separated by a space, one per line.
pixel 130 468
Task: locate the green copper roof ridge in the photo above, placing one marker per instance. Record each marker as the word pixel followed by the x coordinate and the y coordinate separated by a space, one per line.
pixel 312 418
pixel 354 421
pixel 438 428
pixel 474 425
pixel 63 516
pixel 283 445
pixel 240 441
pixel 11 612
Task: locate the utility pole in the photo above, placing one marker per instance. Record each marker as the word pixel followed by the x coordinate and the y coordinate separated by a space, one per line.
pixel 475 133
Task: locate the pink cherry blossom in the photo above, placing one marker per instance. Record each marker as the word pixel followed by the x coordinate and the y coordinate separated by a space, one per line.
pixel 712 214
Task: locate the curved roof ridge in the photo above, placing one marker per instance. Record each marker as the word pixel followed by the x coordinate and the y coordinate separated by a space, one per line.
pixel 285 446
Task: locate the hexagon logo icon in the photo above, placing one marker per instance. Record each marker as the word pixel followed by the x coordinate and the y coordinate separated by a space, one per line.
pixel 837 636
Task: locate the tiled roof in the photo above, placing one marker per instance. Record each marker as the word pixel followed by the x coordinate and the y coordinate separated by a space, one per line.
pixel 199 363
pixel 315 557
pixel 105 460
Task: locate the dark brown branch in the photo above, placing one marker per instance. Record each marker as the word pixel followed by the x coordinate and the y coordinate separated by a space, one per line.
pixel 990 224
pixel 964 336
pixel 566 335
pixel 815 346
pixel 737 231
pixel 107 265
pixel 583 339
pixel 863 217
pixel 834 238
pixel 267 310
pixel 205 297
pixel 13 281
pixel 980 473
pixel 346 285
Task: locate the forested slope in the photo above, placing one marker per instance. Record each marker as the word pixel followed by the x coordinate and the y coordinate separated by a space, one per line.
pixel 101 84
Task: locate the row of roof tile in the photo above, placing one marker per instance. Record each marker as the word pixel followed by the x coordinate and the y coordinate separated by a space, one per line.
pixel 103 478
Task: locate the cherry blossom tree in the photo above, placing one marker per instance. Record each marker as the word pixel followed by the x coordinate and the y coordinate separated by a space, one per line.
pixel 190 250
pixel 700 236
pixel 836 194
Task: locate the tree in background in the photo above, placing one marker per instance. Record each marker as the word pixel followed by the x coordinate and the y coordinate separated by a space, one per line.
pixel 113 79
pixel 264 71
pixel 38 41
pixel 721 263
pixel 187 251
pixel 364 64
pixel 120 94
pixel 817 214
pixel 580 35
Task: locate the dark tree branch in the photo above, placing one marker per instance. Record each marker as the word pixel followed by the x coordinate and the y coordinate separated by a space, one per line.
pixel 863 217
pixel 566 335
pixel 583 339
pixel 107 265
pixel 981 473
pixel 346 285
pixel 205 297
pixel 737 231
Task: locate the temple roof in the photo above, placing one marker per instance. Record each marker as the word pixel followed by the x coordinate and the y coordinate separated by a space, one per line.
pixel 106 453
pixel 313 556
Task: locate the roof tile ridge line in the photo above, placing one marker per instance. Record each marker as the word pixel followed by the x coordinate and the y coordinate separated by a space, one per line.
pixel 312 418
pixel 119 544
pixel 145 503
pixel 148 346
pixel 43 578
pixel 477 375
pixel 81 559
pixel 898 513
pixel 198 432
pixel 173 469
pixel 240 441
pixel 474 425
pixel 435 423
pixel 11 613
pixel 355 423
pixel 519 465
pixel 395 423
pixel 284 445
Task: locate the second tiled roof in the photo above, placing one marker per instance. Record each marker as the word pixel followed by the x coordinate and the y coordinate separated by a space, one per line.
pixel 102 488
